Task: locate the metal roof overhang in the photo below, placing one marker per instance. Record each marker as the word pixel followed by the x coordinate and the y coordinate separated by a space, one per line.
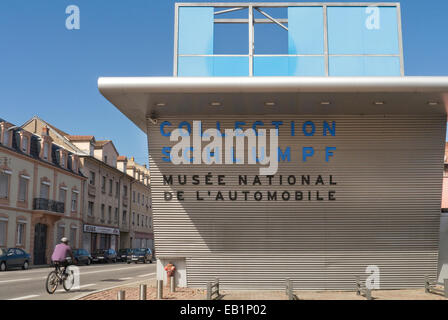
pixel 140 97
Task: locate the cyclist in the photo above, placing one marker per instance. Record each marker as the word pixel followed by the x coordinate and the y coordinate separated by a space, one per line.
pixel 60 254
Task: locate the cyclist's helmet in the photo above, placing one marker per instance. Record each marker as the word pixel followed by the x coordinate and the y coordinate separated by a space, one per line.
pixel 64 240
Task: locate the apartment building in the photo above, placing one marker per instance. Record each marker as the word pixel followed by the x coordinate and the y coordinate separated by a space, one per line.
pixel 107 193
pixel 41 192
pixel 141 220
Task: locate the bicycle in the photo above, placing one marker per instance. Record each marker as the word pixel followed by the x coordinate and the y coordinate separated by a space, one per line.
pixel 60 276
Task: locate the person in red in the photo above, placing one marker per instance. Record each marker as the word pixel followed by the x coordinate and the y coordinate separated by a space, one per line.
pixel 60 254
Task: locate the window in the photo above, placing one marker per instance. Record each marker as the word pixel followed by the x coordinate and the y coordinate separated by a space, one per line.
pixel 74 201
pixel 124 217
pixel 23 189
pixel 5 137
pixel 143 199
pixel 133 196
pixel 92 178
pixel 125 191
pixel 103 184
pixel 90 208
pixel 110 186
pixel 117 189
pixel 46 149
pixel 62 195
pixel 138 197
pixel 133 218
pixel 102 212
pixel 20 234
pixel 138 220
pixel 105 159
pixel 4 186
pixel 109 214
pixel 3 229
pixel 25 144
pixel 116 215
pixel 45 190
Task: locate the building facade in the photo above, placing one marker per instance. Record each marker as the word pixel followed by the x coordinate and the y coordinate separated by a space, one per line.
pixel 108 187
pixel 42 190
pixel 360 149
pixel 140 208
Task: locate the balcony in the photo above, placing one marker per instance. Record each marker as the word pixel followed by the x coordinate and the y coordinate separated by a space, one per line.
pixel 48 205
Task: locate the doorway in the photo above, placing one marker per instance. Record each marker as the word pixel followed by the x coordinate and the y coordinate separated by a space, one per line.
pixel 40 244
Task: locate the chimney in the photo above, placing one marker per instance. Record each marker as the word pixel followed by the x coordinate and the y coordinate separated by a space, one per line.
pixel 45 131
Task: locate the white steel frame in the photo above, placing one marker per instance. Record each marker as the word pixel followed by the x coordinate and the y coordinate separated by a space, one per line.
pixel 230 7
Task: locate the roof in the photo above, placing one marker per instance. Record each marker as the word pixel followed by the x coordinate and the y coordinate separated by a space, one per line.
pixel 101 143
pixel 81 138
pixel 35 148
pixel 62 133
pixel 122 158
pixel 141 97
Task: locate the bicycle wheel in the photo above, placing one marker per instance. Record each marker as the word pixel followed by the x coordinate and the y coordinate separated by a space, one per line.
pixel 69 280
pixel 52 282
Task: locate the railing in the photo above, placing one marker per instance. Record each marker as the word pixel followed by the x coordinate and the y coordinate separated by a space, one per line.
pixel 48 205
pixel 213 290
pixel 436 287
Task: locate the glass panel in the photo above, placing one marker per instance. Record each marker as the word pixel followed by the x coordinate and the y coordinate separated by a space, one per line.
pixel 231 38
pixel 306 30
pixel 213 66
pixel 363 30
pixel 196 30
pixel 270 39
pixel 364 66
pixel 289 66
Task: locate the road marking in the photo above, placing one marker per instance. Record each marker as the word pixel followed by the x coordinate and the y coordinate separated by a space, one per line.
pixel 108 270
pixel 26 297
pixel 16 280
pixel 145 275
pixel 80 287
pixel 129 278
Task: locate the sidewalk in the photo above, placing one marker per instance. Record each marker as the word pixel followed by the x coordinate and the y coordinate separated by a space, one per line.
pixel 132 293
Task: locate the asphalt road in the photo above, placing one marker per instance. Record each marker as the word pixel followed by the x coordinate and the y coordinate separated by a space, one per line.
pixel 30 284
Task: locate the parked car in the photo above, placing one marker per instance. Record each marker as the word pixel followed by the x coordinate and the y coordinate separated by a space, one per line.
pixel 123 254
pixel 82 256
pixel 14 258
pixel 102 255
pixel 140 255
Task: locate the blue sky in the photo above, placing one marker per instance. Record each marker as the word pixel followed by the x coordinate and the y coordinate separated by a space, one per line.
pixel 49 71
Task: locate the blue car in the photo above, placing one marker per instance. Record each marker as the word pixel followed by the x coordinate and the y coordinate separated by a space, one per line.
pixel 14 258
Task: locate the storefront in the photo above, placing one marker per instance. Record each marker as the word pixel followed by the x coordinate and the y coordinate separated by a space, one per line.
pixel 349 180
pixel 98 237
pixel 143 240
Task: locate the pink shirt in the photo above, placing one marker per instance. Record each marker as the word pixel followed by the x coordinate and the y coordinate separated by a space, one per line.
pixel 61 251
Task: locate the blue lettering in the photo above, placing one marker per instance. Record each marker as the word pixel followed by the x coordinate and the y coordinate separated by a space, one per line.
pixel 329 153
pixel 304 128
pixel 307 152
pixel 162 126
pixel 167 152
pixel 332 130
pixel 282 156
